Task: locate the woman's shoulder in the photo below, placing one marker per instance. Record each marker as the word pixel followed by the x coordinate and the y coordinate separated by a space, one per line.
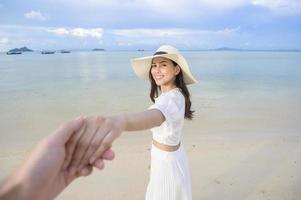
pixel 174 95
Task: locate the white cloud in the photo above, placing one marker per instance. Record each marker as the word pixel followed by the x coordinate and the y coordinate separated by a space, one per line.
pixel 36 15
pixel 176 8
pixel 3 41
pixel 78 32
pixel 148 32
pixel 187 38
pixel 167 6
pixel 124 44
pixel 59 31
pixel 222 4
pixel 279 6
pixel 227 31
pixel 171 32
pixel 285 7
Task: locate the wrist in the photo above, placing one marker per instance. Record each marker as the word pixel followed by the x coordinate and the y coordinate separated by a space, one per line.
pixel 120 122
pixel 14 187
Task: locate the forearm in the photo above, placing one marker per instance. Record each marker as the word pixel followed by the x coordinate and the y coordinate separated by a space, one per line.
pixel 143 120
pixel 26 181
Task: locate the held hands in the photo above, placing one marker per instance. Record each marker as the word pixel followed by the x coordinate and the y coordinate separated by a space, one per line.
pixel 88 146
pixel 61 157
pixel 70 152
pixel 44 175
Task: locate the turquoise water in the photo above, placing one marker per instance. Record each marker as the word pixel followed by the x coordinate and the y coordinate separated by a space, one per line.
pixel 237 91
pixel 33 71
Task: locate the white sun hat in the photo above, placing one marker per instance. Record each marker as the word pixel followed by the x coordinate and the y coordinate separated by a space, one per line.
pixel 142 65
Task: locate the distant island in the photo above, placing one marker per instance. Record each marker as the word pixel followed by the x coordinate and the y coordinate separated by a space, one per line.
pixel 226 49
pixel 18 51
pixel 22 49
pixel 97 49
pixel 236 49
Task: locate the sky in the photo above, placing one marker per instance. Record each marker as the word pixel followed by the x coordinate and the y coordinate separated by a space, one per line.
pixel 147 24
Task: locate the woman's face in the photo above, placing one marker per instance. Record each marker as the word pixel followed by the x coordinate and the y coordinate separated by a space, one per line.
pixel 164 72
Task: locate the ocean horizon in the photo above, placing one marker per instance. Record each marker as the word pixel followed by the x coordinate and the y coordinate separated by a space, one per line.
pixel 230 49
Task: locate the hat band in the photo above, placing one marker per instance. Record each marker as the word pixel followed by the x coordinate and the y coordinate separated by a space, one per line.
pixel 160 53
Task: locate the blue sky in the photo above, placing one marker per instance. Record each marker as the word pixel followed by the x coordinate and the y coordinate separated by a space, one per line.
pixel 135 24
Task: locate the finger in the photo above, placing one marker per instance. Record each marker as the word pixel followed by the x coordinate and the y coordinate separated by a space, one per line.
pixel 105 145
pixel 99 164
pixel 65 131
pixel 86 171
pixel 108 155
pixel 71 176
pixel 71 144
pixel 84 142
pixel 95 143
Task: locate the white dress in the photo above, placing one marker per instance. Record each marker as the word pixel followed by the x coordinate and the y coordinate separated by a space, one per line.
pixel 169 176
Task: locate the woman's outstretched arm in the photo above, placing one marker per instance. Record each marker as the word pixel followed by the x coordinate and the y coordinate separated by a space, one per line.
pixel 142 120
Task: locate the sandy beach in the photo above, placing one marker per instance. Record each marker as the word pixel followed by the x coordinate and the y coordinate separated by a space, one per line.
pixel 223 166
pixel 230 166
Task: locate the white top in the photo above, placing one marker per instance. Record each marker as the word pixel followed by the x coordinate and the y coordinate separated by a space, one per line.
pixel 172 106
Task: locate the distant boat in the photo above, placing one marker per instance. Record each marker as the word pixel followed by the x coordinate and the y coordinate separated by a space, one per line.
pixel 13 52
pixel 65 51
pixel 140 49
pixel 97 49
pixel 47 52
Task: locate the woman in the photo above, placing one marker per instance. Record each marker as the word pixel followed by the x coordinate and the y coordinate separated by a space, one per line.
pixel 169 74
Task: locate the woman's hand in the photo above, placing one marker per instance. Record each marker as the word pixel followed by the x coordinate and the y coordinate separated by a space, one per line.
pixel 94 139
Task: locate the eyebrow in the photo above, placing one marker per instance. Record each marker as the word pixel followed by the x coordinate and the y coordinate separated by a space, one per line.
pixel 160 62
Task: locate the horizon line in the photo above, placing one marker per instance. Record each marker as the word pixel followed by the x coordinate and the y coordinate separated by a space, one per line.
pixel 142 49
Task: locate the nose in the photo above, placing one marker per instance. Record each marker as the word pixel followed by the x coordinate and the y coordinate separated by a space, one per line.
pixel 155 68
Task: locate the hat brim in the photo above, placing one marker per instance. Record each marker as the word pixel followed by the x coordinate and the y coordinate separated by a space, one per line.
pixel 142 66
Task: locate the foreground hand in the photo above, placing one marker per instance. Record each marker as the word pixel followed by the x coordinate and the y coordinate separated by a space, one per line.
pixel 43 175
pixel 97 137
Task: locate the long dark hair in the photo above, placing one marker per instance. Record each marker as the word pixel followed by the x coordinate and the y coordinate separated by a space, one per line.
pixel 154 92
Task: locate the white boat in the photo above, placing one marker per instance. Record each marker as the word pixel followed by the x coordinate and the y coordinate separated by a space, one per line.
pixel 65 51
pixel 47 52
pixel 13 52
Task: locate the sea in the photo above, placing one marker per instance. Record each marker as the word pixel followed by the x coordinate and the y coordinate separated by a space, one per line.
pixel 252 91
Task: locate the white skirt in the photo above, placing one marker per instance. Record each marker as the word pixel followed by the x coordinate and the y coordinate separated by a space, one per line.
pixel 169 176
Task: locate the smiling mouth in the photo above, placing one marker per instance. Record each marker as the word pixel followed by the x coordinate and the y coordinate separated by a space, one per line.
pixel 158 77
